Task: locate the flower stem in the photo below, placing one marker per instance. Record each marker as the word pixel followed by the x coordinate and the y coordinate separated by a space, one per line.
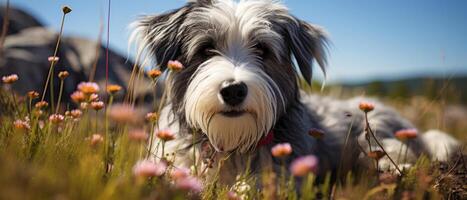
pixel 379 144
pixel 59 96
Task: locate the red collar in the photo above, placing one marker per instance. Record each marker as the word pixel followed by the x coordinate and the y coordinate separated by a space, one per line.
pixel 266 140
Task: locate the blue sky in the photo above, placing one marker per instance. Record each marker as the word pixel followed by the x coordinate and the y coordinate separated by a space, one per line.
pixel 371 39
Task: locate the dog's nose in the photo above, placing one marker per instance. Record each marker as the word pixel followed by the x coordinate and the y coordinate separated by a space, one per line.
pixel 233 93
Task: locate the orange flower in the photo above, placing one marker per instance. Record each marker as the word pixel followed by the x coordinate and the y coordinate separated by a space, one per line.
pixel 21 125
pixel 88 87
pixel 96 139
pixel 154 73
pixel 377 154
pixel 112 89
pixel 316 133
pixel 281 150
pixel 152 116
pixel 41 104
pixel 405 134
pixel 97 105
pixel 33 94
pixel 78 97
pixel 366 106
pixel 165 135
pixel 175 65
pixel 10 79
pixel 63 74
pixel 56 118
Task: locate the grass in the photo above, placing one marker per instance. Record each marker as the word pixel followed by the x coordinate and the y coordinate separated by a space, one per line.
pixel 45 158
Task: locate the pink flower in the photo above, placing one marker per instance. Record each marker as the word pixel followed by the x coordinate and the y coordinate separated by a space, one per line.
pixel 304 165
pixel 78 97
pixel 138 135
pixel 180 173
pixel 190 183
pixel 56 118
pixel 88 87
pixel 96 139
pixel 404 134
pixel 21 125
pixel 281 150
pixel 165 135
pixel 147 168
pixel 10 79
pixel 123 113
pixel 97 105
pixel 175 65
pixel 53 59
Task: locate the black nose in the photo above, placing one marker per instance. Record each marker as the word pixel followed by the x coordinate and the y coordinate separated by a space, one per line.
pixel 233 93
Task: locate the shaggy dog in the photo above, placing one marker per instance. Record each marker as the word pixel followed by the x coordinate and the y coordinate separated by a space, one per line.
pixel 238 94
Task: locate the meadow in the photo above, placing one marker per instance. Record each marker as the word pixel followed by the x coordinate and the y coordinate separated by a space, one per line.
pixel 96 148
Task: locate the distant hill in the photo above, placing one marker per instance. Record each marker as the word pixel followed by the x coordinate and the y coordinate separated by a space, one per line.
pixel 451 90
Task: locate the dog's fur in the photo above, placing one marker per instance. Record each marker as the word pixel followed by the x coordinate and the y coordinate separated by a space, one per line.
pixel 259 43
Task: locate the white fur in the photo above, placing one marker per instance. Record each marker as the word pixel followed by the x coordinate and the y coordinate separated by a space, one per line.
pixel 203 103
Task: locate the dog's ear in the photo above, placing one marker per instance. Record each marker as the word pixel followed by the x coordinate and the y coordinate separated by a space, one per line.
pixel 307 43
pixel 159 37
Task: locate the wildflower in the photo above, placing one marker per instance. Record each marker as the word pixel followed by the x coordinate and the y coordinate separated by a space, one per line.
pixel 152 116
pixel 66 10
pixel 175 65
pixel 112 89
pixel 33 94
pixel 138 135
pixel 97 105
pixel 281 150
pixel 377 154
pixel 56 118
pixel 38 113
pixel 147 168
pixel 41 104
pixel 316 133
pixel 10 79
pixel 78 97
pixel 76 113
pixel 405 134
pixel 366 106
pixel 154 73
pixel 88 87
pixel 122 113
pixel 190 183
pixel 179 173
pixel 84 105
pixel 63 74
pixel 53 59
pixel 304 165
pixel 96 139
pixel 93 97
pixel 21 125
pixel 165 135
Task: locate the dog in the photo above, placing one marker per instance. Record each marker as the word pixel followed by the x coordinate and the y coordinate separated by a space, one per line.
pixel 238 94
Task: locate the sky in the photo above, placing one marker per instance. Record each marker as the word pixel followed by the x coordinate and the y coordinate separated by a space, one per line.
pixel 370 39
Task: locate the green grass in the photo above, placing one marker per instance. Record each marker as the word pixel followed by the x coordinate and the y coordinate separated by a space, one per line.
pixel 57 160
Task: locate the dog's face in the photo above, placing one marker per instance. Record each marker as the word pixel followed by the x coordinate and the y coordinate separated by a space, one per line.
pixel 239 76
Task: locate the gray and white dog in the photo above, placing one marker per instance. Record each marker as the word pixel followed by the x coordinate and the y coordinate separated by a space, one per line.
pixel 238 91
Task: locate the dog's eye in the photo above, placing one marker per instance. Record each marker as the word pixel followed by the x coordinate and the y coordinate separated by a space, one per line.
pixel 260 49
